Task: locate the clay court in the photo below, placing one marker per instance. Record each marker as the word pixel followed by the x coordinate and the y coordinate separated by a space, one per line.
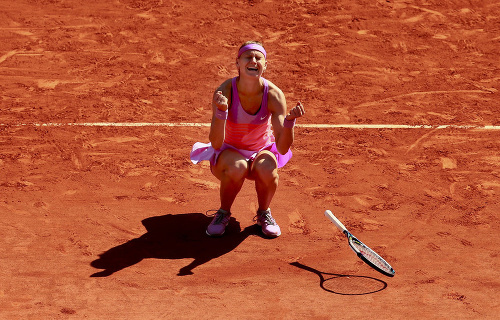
pixel 104 215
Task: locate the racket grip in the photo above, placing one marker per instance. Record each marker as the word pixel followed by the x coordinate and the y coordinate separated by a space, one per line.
pixel 335 221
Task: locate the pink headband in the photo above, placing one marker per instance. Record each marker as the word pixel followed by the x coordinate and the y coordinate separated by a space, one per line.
pixel 252 46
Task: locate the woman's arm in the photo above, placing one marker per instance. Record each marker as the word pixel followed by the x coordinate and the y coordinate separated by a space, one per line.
pixel 220 107
pixel 282 121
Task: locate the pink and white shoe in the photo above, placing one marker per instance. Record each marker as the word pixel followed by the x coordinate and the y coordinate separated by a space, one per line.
pixel 217 227
pixel 269 226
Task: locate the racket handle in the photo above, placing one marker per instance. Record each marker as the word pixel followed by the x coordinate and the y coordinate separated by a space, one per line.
pixel 335 221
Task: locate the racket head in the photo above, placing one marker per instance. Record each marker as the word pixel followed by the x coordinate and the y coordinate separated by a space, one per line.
pixel 369 256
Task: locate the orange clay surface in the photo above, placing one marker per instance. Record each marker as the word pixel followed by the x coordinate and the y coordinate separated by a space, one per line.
pixel 102 222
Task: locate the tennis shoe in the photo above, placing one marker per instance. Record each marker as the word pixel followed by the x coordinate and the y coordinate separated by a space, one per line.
pixel 269 226
pixel 217 227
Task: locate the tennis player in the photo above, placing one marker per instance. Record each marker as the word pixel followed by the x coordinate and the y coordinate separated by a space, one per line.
pixel 250 138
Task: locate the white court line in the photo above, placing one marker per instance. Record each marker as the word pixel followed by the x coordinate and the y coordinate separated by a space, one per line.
pixel 196 124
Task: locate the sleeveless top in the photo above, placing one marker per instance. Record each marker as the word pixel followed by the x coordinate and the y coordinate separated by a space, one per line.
pixel 245 131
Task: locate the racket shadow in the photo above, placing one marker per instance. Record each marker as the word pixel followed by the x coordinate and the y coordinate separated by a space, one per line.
pixel 348 285
pixel 173 236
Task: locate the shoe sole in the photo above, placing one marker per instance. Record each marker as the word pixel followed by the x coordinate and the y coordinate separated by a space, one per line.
pixel 271 235
pixel 214 235
pixel 268 235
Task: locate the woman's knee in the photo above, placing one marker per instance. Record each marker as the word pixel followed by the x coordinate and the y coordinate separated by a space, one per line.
pixel 230 164
pixel 236 171
pixel 265 171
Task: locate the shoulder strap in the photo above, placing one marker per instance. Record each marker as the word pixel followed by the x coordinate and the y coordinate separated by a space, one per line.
pixel 266 93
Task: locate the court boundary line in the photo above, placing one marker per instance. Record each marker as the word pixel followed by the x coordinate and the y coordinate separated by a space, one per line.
pixel 200 124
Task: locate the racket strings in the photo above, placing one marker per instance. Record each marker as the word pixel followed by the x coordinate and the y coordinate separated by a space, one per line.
pixel 372 256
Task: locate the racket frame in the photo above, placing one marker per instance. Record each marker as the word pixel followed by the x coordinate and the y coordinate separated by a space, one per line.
pixel 351 238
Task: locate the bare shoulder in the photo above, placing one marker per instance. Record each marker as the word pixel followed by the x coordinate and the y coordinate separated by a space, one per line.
pixel 274 91
pixel 276 98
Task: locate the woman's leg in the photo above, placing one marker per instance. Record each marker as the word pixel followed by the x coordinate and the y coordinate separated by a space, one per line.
pixel 231 169
pixel 264 171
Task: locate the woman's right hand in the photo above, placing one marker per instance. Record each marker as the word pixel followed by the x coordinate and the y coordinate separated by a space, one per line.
pixel 220 101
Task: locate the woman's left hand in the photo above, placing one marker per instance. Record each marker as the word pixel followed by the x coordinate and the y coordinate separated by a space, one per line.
pixel 296 112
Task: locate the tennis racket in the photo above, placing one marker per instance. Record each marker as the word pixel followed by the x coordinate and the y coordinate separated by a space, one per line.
pixel 366 254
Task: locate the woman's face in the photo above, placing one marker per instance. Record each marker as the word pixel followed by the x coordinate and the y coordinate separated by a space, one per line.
pixel 251 63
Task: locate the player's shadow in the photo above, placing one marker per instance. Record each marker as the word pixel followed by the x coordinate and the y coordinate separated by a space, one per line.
pixel 349 285
pixel 171 236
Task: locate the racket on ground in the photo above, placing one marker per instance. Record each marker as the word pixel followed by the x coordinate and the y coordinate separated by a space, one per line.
pixel 366 254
